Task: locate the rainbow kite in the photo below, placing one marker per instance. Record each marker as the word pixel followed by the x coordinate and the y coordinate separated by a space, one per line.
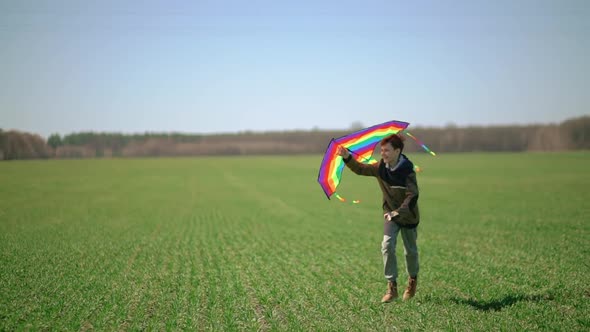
pixel 361 144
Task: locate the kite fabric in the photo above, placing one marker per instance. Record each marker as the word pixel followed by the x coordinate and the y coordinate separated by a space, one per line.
pixel 361 145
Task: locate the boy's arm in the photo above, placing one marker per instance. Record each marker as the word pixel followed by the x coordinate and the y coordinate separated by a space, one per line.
pixel 360 168
pixel 411 192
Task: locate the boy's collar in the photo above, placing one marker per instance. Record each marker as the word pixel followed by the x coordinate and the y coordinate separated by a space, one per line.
pixel 400 159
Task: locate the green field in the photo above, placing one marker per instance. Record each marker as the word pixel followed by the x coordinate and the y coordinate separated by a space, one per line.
pixel 252 243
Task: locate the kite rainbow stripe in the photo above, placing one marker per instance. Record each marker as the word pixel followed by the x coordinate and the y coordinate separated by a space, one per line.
pixel 361 144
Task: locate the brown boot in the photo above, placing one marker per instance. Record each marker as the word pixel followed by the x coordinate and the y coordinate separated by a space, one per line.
pixel 411 289
pixel 391 292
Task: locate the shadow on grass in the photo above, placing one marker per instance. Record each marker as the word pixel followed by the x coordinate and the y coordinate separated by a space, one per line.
pixel 499 304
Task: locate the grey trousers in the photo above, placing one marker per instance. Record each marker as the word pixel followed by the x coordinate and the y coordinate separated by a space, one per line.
pixel 409 237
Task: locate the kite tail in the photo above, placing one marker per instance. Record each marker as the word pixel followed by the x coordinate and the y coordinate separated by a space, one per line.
pixel 342 199
pixel 421 143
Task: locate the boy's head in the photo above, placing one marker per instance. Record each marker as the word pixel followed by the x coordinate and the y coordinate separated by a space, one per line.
pixel 391 147
pixel 396 141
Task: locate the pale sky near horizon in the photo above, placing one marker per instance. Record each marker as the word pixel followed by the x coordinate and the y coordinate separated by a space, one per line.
pixel 231 66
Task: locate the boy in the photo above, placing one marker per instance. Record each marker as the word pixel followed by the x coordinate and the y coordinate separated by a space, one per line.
pixel 397 180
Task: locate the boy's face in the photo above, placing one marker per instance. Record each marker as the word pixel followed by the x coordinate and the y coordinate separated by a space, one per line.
pixel 389 154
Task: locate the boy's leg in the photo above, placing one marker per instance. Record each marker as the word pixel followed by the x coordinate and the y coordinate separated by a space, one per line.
pixel 409 237
pixel 389 260
pixel 390 230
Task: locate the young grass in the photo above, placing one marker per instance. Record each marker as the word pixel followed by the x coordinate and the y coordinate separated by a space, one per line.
pixel 253 244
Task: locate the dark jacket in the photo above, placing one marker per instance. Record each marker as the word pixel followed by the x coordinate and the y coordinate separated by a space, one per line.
pixel 399 187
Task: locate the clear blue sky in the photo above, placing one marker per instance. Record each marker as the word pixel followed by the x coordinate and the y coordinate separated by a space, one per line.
pixel 229 66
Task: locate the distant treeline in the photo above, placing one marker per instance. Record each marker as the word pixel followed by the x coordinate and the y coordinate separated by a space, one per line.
pixel 573 134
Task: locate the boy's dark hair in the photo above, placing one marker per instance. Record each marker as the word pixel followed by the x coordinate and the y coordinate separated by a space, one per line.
pixel 396 141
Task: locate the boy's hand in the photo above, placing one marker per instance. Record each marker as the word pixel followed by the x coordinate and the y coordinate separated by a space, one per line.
pixel 391 215
pixel 343 152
